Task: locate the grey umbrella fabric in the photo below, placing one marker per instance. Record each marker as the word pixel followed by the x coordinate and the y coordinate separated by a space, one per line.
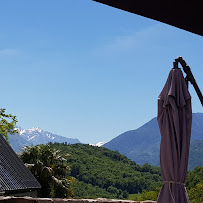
pixel 175 120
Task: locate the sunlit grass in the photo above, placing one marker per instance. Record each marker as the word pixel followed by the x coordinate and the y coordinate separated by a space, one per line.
pixel 135 196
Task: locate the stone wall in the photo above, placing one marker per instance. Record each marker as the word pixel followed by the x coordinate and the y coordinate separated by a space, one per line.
pixel 49 200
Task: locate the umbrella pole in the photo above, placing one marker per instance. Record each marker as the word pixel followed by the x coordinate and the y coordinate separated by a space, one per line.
pixel 190 77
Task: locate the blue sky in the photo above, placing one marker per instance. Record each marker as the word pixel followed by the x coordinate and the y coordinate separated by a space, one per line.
pixel 85 70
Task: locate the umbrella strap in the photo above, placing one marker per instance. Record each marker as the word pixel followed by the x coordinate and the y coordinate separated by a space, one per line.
pixel 170 183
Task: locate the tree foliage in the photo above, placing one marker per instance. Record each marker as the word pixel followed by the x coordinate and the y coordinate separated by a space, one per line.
pixel 98 172
pixel 194 177
pixel 150 195
pixel 194 184
pixel 7 123
pixel 196 193
pixel 50 169
pixel 84 190
pixel 194 187
pixel 109 170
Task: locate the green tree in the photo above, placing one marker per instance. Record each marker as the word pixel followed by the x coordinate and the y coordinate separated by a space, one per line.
pixel 196 194
pixel 113 190
pixel 150 195
pixel 104 168
pixel 194 177
pixel 7 124
pixel 84 190
pixel 50 169
pixel 125 194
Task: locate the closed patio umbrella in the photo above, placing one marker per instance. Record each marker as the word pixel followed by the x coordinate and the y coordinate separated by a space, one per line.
pixel 174 119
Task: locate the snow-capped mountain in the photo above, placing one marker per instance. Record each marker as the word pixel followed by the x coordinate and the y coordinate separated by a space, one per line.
pixel 99 144
pixel 35 136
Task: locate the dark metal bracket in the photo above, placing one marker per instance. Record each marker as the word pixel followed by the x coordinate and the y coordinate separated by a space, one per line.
pixel 189 76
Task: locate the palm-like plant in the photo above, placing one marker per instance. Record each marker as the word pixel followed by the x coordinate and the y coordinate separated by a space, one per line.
pixel 50 169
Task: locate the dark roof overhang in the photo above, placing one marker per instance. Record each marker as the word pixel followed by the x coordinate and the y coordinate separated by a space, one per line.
pixel 14 176
pixel 186 15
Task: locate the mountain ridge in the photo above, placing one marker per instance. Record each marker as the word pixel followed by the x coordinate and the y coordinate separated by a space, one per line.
pixel 142 145
pixel 34 136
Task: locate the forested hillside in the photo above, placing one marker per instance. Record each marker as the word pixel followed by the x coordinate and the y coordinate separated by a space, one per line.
pixel 196 154
pixel 143 144
pixel 108 170
pixel 84 171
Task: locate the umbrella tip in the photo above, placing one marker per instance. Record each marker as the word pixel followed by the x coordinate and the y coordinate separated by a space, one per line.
pixel 175 65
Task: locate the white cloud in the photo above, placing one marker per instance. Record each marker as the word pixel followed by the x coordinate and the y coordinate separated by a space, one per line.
pixel 157 35
pixel 9 52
